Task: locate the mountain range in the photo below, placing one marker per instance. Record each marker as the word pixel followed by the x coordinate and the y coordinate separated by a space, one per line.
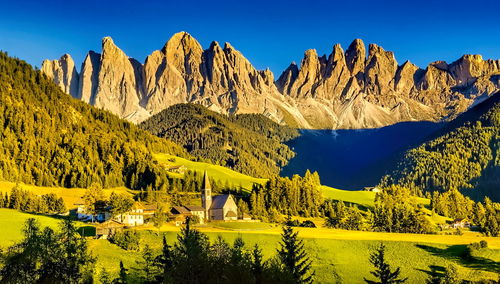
pixel 344 90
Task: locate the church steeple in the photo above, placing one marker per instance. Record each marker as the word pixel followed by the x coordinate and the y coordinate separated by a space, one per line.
pixel 206 195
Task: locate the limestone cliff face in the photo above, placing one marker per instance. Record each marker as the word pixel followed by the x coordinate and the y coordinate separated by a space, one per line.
pixel 64 73
pixel 353 90
pixel 350 89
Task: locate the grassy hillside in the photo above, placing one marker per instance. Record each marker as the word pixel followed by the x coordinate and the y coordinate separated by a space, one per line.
pixel 466 156
pixel 48 138
pixel 331 250
pixel 346 257
pixel 12 221
pixel 249 143
pixel 219 173
pixel 69 195
pixel 365 198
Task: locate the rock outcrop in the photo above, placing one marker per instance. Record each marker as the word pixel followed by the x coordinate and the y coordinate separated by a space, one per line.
pixel 342 90
pixel 64 73
pixel 353 90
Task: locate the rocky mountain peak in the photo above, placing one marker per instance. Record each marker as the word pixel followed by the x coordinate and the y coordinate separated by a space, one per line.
pixel 287 77
pixel 356 56
pixel 64 73
pixel 342 90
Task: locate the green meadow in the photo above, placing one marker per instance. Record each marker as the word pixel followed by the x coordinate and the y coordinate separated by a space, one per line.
pixel 216 172
pixel 333 258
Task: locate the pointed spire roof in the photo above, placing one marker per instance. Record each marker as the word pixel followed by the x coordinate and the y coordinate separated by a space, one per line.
pixel 206 181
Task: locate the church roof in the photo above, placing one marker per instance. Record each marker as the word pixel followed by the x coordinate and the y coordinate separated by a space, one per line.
pixel 206 181
pixel 219 201
pixel 231 214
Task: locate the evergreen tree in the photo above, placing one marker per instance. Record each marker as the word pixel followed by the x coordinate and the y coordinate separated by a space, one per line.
pixel 257 264
pixel 122 276
pixel 382 269
pixel 451 275
pixel 147 264
pixel 190 255
pixel 104 277
pixel 164 263
pixel 44 256
pixel 293 255
pixel 492 219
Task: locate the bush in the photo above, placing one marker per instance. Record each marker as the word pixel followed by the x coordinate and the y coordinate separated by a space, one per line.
pixel 127 240
pixel 483 244
pixel 308 224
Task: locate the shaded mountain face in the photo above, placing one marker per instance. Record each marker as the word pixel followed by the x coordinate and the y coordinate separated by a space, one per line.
pixel 464 155
pixel 343 90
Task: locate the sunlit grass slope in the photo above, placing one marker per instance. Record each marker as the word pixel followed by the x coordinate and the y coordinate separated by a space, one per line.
pixel 216 172
pixel 69 195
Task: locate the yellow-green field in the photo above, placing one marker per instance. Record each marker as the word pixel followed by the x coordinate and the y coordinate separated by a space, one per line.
pixel 216 172
pixel 69 195
pixel 340 251
pixel 365 198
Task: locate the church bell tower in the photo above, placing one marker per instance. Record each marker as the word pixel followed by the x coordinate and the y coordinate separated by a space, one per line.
pixel 206 195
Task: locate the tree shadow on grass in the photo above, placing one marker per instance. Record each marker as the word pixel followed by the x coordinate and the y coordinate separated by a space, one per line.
pixel 459 254
pixel 434 271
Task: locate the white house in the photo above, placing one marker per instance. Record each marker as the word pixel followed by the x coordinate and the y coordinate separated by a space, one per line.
pixel 134 217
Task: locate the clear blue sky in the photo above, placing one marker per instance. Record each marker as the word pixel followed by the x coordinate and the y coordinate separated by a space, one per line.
pixel 269 33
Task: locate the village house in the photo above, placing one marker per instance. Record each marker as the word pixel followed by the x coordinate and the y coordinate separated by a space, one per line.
pixel 178 169
pixel 460 223
pixel 80 211
pixel 180 213
pixel 198 211
pixel 107 229
pixel 134 217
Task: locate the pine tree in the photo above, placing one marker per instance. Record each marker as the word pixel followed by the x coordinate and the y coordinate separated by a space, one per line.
pixel 293 255
pixel 257 264
pixel 191 255
pixel 104 277
pixel 382 269
pixel 122 276
pixel 147 263
pixel 164 263
pixel 451 275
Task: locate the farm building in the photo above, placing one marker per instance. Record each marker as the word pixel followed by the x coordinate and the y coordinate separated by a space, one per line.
pixel 107 229
pixel 197 211
pixel 460 223
pixel 134 217
pixel 179 169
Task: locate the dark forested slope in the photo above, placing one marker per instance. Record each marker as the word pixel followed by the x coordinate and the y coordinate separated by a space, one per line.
pixel 465 156
pixel 249 143
pixel 48 138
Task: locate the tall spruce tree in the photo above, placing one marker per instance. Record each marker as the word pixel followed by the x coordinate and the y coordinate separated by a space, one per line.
pixel 293 255
pixel 164 263
pixel 382 270
pixel 191 255
pixel 122 276
pixel 257 264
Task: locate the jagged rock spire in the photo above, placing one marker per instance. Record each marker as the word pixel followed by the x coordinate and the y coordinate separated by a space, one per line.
pixel 342 90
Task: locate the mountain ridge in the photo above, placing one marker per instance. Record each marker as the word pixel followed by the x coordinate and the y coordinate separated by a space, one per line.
pixel 358 88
